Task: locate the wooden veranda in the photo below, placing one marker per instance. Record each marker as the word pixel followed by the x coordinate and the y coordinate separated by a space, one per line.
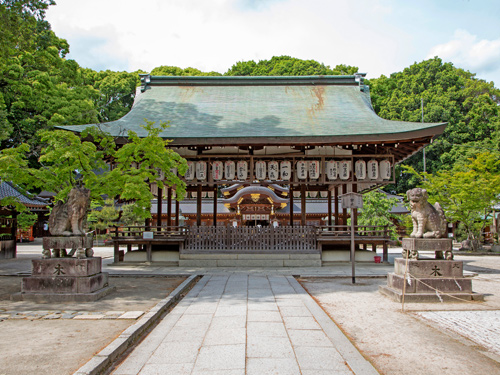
pixel 220 240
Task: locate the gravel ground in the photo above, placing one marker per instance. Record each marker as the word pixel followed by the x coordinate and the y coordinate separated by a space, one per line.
pixel 58 338
pixel 419 340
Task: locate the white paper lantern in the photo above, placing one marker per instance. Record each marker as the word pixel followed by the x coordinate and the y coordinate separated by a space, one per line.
pixel 260 170
pixel 286 170
pixel 273 167
pixel 230 170
pixel 314 169
pixel 385 169
pixel 242 170
pixel 302 169
pixel 217 170
pixel 201 170
pixel 203 194
pixel 296 194
pixel 154 189
pixel 194 194
pixel 161 174
pixel 323 194
pixel 360 167
pixel 313 194
pixel 372 167
pixel 344 169
pixel 210 194
pixel 190 171
pixel 332 169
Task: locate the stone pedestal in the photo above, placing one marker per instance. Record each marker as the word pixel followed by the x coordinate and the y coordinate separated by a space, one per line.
pixel 443 247
pixel 65 279
pixel 82 245
pixel 424 277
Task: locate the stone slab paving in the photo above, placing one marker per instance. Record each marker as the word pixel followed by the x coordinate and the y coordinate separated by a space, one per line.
pixel 83 315
pixel 246 324
pixel 482 327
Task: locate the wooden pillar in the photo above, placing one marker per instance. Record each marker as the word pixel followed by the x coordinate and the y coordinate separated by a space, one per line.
pixel 355 210
pixel 215 206
pixel 159 207
pixel 291 205
pixel 169 207
pixel 330 208
pixel 303 204
pixel 198 205
pixel 116 252
pixel 337 205
pixel 13 228
pixel 176 213
pixel 344 210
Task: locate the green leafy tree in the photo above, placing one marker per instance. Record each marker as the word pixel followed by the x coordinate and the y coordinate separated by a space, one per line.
pixel 102 217
pixel 115 92
pixel 26 220
pixel 39 88
pixel 128 217
pixel 469 105
pixel 287 66
pixel 66 161
pixel 165 70
pixel 376 211
pixel 467 192
pixel 151 161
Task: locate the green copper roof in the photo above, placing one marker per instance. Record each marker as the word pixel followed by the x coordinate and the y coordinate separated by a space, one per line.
pixel 260 107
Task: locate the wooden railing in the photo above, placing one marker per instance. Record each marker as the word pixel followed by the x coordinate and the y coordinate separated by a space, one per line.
pixel 368 231
pixel 158 232
pixel 254 239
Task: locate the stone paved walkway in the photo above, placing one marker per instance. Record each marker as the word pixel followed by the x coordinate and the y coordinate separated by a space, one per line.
pixel 246 324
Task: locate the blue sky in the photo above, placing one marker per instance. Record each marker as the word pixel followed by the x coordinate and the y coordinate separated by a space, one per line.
pixel 378 36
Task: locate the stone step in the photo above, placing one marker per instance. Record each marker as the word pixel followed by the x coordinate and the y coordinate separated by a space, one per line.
pixel 249 256
pixel 214 262
pixel 249 260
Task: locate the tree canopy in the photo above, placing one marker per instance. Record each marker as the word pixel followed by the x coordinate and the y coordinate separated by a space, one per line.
pixel 66 161
pixel 287 66
pixel 469 105
pixel 467 192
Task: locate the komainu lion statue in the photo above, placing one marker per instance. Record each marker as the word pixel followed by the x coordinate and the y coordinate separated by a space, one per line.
pixel 69 218
pixel 428 220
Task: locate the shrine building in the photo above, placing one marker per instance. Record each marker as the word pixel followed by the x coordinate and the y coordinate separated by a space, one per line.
pixel 269 161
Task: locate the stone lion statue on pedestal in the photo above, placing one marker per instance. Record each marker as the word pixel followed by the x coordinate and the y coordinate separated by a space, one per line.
pixel 69 218
pixel 428 221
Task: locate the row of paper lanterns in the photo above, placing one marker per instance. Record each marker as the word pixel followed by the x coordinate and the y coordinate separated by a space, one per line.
pixel 273 170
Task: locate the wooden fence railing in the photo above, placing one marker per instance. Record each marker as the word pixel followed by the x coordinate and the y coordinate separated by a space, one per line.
pixel 374 231
pixel 263 239
pixel 158 232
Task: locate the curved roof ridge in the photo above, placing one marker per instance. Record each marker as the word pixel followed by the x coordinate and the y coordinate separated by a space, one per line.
pixel 280 110
pixel 255 189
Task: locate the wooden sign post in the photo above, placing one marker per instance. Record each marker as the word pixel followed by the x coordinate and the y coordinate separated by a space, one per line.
pixel 352 200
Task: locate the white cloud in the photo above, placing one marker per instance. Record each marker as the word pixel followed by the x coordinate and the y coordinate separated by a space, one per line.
pixel 214 35
pixel 378 36
pixel 467 51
